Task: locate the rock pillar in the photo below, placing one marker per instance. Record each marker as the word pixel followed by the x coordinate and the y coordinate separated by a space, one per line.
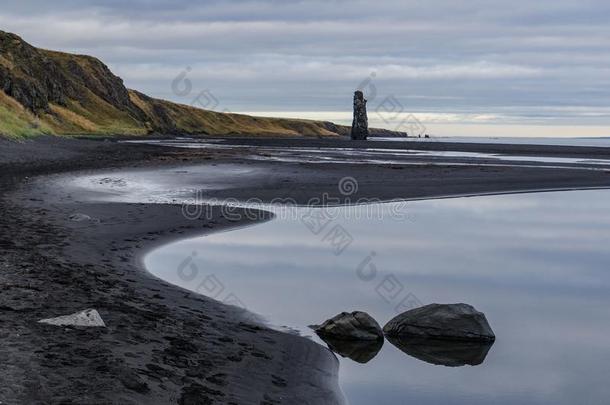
pixel 360 125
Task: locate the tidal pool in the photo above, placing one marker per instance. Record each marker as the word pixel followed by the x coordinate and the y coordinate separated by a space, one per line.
pixel 538 266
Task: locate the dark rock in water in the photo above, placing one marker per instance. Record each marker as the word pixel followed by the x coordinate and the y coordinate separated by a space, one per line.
pixel 360 124
pixel 449 353
pixel 442 321
pixel 360 351
pixel 345 326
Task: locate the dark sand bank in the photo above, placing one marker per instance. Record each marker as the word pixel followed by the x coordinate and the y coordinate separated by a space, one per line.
pixel 164 344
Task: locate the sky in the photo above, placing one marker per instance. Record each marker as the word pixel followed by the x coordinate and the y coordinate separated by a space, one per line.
pixel 444 67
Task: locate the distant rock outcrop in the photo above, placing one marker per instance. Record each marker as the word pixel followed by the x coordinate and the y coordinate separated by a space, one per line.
pixel 360 124
pixel 441 321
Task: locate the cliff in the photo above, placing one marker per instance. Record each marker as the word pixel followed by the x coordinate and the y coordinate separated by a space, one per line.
pixel 48 92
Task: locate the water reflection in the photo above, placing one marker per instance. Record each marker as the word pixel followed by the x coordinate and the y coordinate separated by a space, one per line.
pixel 449 353
pixel 536 264
pixel 360 351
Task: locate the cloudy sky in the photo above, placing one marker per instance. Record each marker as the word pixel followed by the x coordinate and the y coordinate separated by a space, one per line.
pixel 538 68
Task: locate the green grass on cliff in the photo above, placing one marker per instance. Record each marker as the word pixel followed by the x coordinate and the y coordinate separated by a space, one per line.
pixel 16 122
pixel 96 117
pixel 191 120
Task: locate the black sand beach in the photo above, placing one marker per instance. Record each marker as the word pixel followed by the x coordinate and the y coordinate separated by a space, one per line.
pixel 167 345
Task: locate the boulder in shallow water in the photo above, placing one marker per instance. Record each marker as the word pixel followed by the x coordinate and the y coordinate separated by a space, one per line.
pixel 441 321
pixel 449 353
pixel 88 317
pixel 350 326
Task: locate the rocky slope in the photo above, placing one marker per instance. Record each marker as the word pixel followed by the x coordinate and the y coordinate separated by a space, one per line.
pixel 48 92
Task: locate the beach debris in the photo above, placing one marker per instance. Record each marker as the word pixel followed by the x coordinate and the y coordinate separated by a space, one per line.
pixel 441 321
pixel 448 353
pixel 78 217
pixel 360 351
pixel 350 326
pixel 360 124
pixel 88 317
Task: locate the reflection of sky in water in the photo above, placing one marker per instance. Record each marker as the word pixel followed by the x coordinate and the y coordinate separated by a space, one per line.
pixel 536 265
pixel 595 142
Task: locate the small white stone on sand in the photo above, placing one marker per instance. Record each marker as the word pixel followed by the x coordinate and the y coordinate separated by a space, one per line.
pixel 88 317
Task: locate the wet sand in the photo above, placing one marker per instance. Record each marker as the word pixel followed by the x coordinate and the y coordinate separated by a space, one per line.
pixel 163 344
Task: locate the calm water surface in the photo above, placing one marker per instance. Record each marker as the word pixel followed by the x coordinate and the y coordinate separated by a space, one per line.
pixel 538 265
pixel 596 142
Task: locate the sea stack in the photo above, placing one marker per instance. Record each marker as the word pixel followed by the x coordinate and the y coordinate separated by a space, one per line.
pixel 360 125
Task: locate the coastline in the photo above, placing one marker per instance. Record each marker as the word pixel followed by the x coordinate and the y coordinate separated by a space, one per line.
pixel 164 344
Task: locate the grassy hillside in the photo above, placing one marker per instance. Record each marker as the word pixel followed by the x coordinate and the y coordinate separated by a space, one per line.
pixel 48 92
pixel 17 122
pixel 185 119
